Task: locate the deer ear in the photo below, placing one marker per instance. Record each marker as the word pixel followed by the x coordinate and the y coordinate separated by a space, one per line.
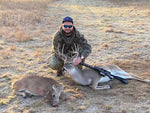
pixel 54 87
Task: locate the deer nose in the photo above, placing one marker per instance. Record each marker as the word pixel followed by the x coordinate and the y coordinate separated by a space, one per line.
pixel 56 105
pixel 63 69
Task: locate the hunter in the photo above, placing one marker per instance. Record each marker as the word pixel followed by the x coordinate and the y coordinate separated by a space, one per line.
pixel 65 38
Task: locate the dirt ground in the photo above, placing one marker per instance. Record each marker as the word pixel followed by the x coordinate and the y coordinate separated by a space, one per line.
pixel 118 35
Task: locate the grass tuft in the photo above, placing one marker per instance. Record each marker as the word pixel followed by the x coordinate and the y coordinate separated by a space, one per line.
pixel 13 48
pixel 20 36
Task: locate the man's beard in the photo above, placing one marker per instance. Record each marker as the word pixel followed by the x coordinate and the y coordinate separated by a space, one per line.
pixel 67 34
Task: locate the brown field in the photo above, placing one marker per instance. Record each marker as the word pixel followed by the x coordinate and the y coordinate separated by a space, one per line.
pixel 118 31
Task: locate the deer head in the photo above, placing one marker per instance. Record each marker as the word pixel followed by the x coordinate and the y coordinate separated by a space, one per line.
pixel 55 94
pixel 69 62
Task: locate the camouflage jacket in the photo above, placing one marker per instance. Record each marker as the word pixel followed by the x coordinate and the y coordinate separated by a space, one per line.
pixel 77 38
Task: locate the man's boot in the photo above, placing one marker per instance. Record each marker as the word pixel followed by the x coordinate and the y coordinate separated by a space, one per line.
pixel 59 73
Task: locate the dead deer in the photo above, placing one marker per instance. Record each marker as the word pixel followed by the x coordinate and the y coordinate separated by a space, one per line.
pixel 91 77
pixel 39 86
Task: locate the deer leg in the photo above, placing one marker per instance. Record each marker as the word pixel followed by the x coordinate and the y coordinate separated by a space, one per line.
pixel 21 93
pixel 96 87
pixel 103 87
pixel 28 94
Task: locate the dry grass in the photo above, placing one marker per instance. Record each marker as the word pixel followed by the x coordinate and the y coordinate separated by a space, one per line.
pixel 22 37
pixel 16 12
pixel 6 54
pixel 12 47
pixel 137 3
pixel 15 15
pixel 118 35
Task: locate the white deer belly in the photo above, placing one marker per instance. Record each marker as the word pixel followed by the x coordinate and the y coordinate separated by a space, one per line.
pixel 104 79
pixel 29 92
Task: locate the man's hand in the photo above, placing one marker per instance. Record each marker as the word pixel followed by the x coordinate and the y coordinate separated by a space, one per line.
pixel 77 61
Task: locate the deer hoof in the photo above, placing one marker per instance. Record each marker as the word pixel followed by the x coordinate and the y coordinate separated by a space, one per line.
pixel 24 97
pixel 110 86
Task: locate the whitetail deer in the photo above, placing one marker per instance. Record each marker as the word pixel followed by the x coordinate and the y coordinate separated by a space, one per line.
pixel 93 78
pixel 39 86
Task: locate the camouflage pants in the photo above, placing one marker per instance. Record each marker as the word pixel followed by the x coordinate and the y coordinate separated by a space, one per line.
pixel 56 63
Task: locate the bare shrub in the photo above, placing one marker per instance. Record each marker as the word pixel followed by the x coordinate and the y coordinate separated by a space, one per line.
pixel 108 30
pixel 20 36
pixel 12 47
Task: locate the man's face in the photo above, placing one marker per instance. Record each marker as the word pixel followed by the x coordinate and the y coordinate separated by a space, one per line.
pixel 67 28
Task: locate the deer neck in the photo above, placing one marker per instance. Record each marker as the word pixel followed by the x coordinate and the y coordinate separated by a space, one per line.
pixel 76 71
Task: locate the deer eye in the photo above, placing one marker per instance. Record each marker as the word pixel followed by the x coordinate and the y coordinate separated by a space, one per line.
pixel 70 63
pixel 53 96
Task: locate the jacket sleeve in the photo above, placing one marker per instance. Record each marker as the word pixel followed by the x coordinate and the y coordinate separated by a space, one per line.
pixel 56 42
pixel 84 48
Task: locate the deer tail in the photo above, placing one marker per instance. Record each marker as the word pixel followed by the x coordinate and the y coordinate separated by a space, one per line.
pixel 140 78
pixel 117 71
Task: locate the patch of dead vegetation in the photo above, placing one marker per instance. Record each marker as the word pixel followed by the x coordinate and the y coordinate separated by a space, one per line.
pixel 141 4
pixel 13 47
pixel 16 12
pixel 22 37
pixel 6 96
pixel 109 30
pixel 6 54
pixel 16 16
